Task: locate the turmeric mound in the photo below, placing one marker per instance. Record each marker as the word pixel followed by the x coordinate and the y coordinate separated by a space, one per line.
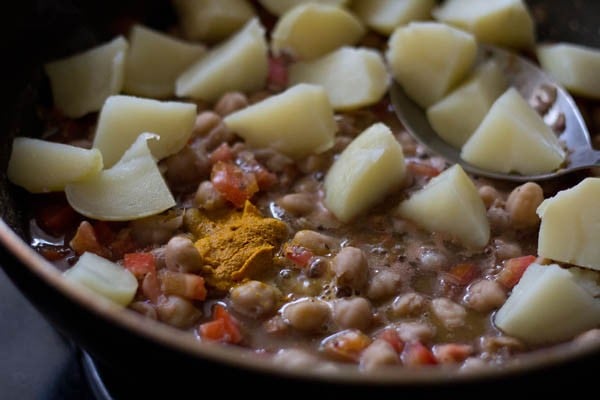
pixel 237 245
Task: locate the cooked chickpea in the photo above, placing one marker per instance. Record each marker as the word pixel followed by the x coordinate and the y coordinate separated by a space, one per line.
pixel 255 299
pixel 415 331
pixel 351 268
pixel 208 198
pixel 352 313
pixel 485 295
pixel 181 255
pixel 379 353
pixel 177 311
pixel 307 314
pixel 489 195
pixel 316 242
pixel 452 315
pixel 231 102
pixel 506 250
pixel 522 204
pixel 186 167
pixel 408 304
pixel 205 122
pixel 385 284
pixel 297 203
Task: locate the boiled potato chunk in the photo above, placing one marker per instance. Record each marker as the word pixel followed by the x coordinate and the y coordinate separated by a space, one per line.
pixel 150 75
pixel 457 115
pixel 297 122
pixel 104 277
pixel 312 30
pixel 513 137
pixel 574 66
pixel 551 304
pixel 212 20
pixel 570 225
pixel 365 172
pixel 82 82
pixel 429 58
pixel 133 188
pixel 450 203
pixel 41 166
pixel 352 77
pixel 384 16
pixel 238 64
pixel 500 22
pixel 279 7
pixel 123 118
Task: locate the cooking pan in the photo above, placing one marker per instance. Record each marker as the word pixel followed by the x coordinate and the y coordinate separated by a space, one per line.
pixel 160 359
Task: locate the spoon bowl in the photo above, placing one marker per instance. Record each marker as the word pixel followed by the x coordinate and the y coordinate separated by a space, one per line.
pixel 557 108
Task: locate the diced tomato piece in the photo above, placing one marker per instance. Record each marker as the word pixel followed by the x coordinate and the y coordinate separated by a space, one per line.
pixel 53 253
pixel 213 330
pixel 139 264
pixel 299 255
pixel 422 169
pixel 278 72
pixel 85 239
pixel 182 284
pixel 391 336
pixel 346 345
pixel 513 270
pixel 223 327
pixel 232 183
pixel 264 178
pixel 222 153
pixel 463 273
pixel 416 353
pixel 447 353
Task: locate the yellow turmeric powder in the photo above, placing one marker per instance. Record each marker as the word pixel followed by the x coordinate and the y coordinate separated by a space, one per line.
pixel 237 245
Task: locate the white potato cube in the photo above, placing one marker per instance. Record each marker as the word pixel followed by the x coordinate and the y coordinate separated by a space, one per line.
pixel 458 114
pixel 82 82
pixel 155 60
pixel 212 20
pixel 551 304
pixel 312 30
pixel 570 225
pixel 500 22
pixel 450 203
pixel 104 277
pixel 297 122
pixel 352 77
pixel 133 188
pixel 428 59
pixel 513 137
pixel 240 63
pixel 384 16
pixel 280 7
pixel 366 171
pixel 123 118
pixel 574 66
pixel 41 166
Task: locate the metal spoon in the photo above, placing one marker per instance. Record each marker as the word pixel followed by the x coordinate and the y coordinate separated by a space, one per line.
pixel 529 79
